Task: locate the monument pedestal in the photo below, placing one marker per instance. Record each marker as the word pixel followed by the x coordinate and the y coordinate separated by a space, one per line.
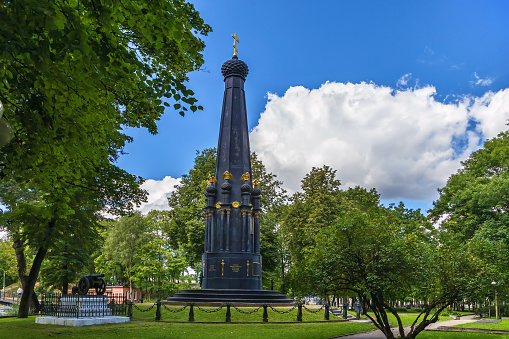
pixel 225 270
pixel 234 296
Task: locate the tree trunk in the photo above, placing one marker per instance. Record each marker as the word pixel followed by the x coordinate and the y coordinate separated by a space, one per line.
pixel 22 268
pixel 28 293
pixel 65 286
pixel 20 259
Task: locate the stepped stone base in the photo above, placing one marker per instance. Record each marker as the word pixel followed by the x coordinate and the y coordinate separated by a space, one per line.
pixel 234 296
pixel 79 322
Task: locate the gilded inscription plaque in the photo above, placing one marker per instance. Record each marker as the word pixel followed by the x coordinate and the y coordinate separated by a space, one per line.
pixel 212 268
pixel 235 268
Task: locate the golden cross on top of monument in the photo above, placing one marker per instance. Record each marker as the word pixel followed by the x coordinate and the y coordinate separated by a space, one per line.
pixel 234 36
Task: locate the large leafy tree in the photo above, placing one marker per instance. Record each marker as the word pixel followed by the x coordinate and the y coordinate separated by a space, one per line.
pixel 473 210
pixel 316 206
pixel 187 202
pixel 74 73
pixel 136 251
pixel 122 245
pixel 8 261
pixel 159 269
pixel 385 254
pixel 70 255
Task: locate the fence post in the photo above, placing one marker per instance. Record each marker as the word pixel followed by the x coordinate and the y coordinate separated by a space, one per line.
pixel 158 310
pixel 191 312
pixel 327 311
pixel 265 314
pixel 228 313
pixel 299 312
pixel 130 310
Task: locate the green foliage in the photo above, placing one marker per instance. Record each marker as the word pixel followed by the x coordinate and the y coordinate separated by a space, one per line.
pixel 8 261
pixel 74 74
pixel 316 207
pixel 120 249
pixel 187 202
pixel 137 251
pixel 383 254
pixel 472 211
pixel 14 328
pixel 347 243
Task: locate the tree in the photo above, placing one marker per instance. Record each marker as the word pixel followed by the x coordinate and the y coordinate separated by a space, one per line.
pixel 121 247
pixel 8 261
pixel 472 208
pixel 187 203
pixel 158 267
pixel 384 254
pixel 136 250
pixel 273 200
pixel 74 73
pixel 316 207
pixel 70 257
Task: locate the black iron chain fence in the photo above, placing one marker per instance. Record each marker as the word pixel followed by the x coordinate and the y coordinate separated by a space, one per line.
pixel 141 310
pixel 246 312
pixel 282 312
pixel 211 311
pixel 159 305
pixel 174 311
pixel 313 311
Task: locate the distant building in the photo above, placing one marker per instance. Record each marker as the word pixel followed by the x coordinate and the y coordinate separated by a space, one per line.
pixel 112 291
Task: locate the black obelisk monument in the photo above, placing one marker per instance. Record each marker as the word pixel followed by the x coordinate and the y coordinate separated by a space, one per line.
pixel 231 258
pixel 231 262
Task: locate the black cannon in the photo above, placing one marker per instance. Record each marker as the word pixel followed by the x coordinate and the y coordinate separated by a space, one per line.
pixel 90 281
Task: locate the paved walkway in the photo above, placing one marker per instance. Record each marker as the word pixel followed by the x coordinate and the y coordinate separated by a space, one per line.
pixel 377 334
pixel 7 301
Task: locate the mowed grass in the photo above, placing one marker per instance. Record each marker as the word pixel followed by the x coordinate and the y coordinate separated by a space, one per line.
pixel 459 335
pixel 502 325
pixel 407 320
pixel 13 328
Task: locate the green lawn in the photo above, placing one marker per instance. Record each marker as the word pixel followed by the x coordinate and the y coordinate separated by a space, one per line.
pixel 13 328
pixel 407 320
pixel 459 335
pixel 502 325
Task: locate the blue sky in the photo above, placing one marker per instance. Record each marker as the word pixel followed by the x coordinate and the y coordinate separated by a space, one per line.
pixel 392 94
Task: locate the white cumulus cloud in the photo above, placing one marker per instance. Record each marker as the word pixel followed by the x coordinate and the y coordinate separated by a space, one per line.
pixel 158 193
pixel 403 81
pixel 402 142
pixel 480 81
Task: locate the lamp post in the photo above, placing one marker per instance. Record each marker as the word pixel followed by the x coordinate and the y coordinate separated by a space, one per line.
pixel 496 301
pixel 3 288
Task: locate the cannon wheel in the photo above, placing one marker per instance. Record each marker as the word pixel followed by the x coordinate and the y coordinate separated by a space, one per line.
pixel 100 287
pixel 83 286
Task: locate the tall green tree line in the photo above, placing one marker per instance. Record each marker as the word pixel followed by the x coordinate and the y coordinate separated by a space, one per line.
pixel 74 74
